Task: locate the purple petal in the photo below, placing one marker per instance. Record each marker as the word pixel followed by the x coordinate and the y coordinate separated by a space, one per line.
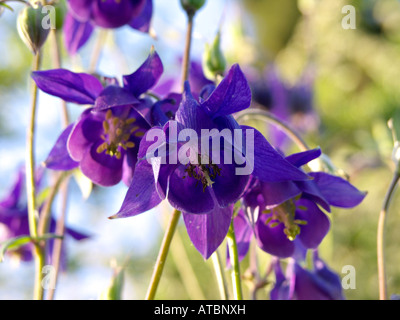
pixel 232 94
pixel 312 191
pixel 81 9
pixel 269 165
pixel 142 195
pixel 101 168
pixel 87 130
pixel 115 14
pixel 283 289
pixel 76 33
pixel 59 158
pixel 275 193
pixel 187 194
pixel 113 96
pixel 12 199
pixel 146 76
pixel 317 227
pixel 142 21
pixel 73 87
pixel 337 191
pixel 272 239
pixel 302 158
pixel 207 231
pixel 76 235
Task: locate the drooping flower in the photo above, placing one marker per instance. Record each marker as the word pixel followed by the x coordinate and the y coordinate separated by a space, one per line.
pixel 299 283
pixel 83 16
pixel 14 220
pixel 203 189
pixel 104 140
pixel 284 216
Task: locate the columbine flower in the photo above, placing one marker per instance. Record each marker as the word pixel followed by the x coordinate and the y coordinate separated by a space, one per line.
pixel 14 220
pixel 288 213
pixel 104 141
pixel 83 16
pixel 203 190
pixel 320 283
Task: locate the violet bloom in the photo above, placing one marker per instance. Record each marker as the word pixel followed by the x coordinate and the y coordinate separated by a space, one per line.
pixel 14 220
pixel 84 15
pixel 298 283
pixel 204 191
pixel 104 140
pixel 286 215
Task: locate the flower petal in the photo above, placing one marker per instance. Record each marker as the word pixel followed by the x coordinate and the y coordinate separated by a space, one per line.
pixel 302 158
pixel 142 195
pixel 146 76
pixel 76 33
pixel 73 87
pixel 337 191
pixel 207 231
pixel 231 95
pixel 275 193
pixel 142 21
pixel 81 9
pixel 114 96
pixel 59 158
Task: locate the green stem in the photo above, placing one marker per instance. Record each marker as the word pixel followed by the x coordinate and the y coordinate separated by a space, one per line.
pixel 253 113
pixel 186 57
pixel 381 237
pixel 162 255
pixel 234 258
pixel 219 273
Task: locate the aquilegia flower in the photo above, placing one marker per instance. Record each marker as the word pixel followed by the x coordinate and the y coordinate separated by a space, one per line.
pixel 104 140
pixel 202 188
pixel 14 219
pixel 298 283
pixel 285 216
pixel 84 15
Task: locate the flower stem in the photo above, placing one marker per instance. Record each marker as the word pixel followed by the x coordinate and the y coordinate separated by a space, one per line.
pixel 186 56
pixel 219 273
pixel 162 255
pixel 233 254
pixel 381 236
pixel 252 113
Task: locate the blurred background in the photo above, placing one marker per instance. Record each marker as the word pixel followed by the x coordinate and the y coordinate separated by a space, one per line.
pixel 341 88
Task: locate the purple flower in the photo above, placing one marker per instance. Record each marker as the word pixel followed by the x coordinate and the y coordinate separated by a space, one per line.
pixel 320 283
pixel 84 15
pixel 289 215
pixel 204 190
pixel 14 218
pixel 104 140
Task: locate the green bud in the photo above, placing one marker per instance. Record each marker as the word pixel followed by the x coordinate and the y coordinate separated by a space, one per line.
pixel 30 28
pixel 191 6
pixel 214 62
pixel 114 290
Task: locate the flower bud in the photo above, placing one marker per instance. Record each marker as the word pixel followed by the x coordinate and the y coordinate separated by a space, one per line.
pixel 191 6
pixel 30 28
pixel 214 62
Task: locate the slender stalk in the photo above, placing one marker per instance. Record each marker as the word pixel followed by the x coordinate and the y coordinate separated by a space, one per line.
pixel 253 113
pixel 96 53
pixel 381 237
pixel 219 273
pixel 233 254
pixel 162 255
pixel 186 57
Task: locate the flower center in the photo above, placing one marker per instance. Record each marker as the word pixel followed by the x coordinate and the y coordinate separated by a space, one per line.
pixel 203 173
pixel 285 213
pixel 117 133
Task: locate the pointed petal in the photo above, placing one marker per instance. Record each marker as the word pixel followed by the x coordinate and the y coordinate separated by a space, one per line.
pixel 337 191
pixel 318 224
pixel 231 95
pixel 142 195
pixel 73 87
pixel 142 21
pixel 275 193
pixel 269 165
pixel 59 158
pixel 114 96
pixel 145 77
pixel 207 231
pixel 302 158
pixel 76 33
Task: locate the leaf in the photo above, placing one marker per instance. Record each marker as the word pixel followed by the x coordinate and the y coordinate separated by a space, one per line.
pixel 13 244
pixel 6 6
